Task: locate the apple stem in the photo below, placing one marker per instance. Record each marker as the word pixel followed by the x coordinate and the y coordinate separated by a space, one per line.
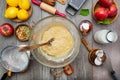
pixel 5 29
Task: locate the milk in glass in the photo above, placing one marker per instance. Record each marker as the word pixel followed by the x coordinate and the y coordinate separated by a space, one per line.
pixel 105 36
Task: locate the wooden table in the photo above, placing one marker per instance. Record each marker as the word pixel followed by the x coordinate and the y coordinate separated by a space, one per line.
pixel 83 70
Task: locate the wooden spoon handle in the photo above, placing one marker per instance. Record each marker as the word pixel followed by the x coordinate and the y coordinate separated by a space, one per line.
pixel 86 44
pixel 32 47
pixel 36 45
pixel 62 1
pixel 84 32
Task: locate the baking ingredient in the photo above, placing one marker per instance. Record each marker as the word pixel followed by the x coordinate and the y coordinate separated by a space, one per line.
pixel 101 13
pixel 24 4
pixel 22 14
pixel 68 69
pixel 99 53
pixel 62 44
pixel 12 3
pixel 106 3
pixel 105 36
pixel 97 62
pixel 6 29
pixel 14 60
pixel 112 10
pixel 85 27
pixel 99 59
pixel 23 32
pixel 11 12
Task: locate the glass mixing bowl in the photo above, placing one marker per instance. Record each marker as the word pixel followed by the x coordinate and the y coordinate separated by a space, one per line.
pixel 40 27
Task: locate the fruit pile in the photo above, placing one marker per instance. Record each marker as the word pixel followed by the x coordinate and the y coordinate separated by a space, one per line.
pixel 106 9
pixel 17 9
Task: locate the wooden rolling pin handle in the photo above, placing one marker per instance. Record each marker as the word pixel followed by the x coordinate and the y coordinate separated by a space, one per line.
pixel 47 8
pixel 51 9
pixel 86 44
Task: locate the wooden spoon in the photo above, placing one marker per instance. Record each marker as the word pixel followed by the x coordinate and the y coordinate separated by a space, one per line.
pixel 32 47
pixel 92 55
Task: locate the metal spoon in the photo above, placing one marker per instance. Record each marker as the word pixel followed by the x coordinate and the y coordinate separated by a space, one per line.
pixel 32 47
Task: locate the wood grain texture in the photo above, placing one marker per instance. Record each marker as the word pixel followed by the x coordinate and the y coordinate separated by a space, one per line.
pixel 83 70
pixel 113 49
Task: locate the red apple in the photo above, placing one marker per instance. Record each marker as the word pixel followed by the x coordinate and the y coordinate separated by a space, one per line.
pixel 106 3
pixel 6 29
pixel 112 10
pixel 101 13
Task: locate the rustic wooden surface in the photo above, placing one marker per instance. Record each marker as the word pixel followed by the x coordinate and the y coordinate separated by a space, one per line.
pixel 83 70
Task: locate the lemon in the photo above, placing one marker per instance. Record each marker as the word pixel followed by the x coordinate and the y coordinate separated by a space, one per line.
pixel 24 4
pixel 12 3
pixel 22 14
pixel 11 12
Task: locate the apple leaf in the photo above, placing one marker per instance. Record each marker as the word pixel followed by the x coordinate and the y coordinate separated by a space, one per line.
pixel 106 21
pixel 84 12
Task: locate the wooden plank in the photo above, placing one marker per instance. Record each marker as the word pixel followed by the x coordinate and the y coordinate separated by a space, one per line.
pixel 83 69
pixel 113 49
pixel 36 70
pixel 4 41
pixel 45 71
pixel 61 8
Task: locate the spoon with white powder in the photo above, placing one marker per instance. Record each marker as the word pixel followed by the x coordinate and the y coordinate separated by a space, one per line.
pixel 96 56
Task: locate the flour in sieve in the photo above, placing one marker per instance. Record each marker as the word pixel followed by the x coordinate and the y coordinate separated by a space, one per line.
pixel 15 60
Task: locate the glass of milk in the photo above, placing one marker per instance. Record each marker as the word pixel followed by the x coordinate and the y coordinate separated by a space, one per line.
pixel 105 36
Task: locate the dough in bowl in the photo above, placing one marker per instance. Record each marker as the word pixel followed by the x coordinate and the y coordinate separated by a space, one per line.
pixel 62 44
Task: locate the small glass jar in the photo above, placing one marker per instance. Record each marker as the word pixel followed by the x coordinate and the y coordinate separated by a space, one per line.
pixel 105 36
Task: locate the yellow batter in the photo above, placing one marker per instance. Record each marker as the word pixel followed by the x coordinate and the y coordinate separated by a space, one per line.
pixel 62 44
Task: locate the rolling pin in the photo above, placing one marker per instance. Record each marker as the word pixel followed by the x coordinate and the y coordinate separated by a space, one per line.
pixel 48 8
